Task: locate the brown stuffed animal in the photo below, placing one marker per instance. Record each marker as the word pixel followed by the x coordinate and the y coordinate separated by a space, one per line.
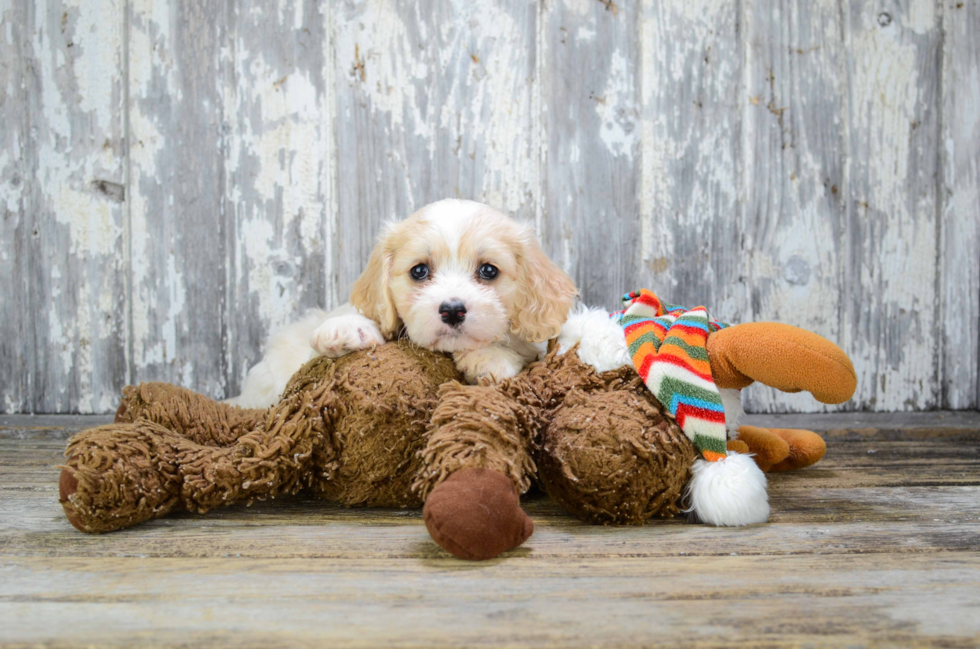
pixel 393 427
pixel 599 442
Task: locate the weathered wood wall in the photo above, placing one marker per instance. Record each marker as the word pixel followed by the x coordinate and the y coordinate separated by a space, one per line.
pixel 177 178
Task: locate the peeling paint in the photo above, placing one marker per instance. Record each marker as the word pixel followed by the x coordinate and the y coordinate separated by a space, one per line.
pixel 815 172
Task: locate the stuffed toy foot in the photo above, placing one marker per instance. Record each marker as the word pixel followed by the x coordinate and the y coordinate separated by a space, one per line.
pixel 779 449
pixel 476 514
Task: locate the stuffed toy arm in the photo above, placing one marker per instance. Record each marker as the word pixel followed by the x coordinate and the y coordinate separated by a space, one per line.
pixel 477 460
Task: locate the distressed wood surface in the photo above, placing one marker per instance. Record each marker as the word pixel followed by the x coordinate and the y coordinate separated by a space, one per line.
pixel 876 544
pixel 178 307
pixel 278 162
pixel 890 324
pixel 793 106
pixel 68 348
pixel 434 100
pixel 691 155
pixel 591 98
pixel 16 171
pixel 960 200
pixel 178 179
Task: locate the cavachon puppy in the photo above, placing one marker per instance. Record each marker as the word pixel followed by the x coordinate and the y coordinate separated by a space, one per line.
pixel 456 276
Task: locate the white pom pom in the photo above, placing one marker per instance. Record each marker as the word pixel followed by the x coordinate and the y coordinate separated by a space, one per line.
pixel 728 492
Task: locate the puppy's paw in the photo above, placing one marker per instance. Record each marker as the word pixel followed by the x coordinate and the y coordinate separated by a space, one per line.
pixel 345 334
pixel 493 362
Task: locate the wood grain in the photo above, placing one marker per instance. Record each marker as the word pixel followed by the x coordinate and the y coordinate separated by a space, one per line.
pixel 889 292
pixel 177 210
pixel 960 199
pixel 794 157
pixel 434 100
pixel 591 98
pixel 17 164
pixel 75 272
pixel 532 602
pixel 853 555
pixel 179 179
pixel 692 238
pixel 279 161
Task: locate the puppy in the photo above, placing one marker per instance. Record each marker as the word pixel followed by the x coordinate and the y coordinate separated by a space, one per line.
pixel 457 277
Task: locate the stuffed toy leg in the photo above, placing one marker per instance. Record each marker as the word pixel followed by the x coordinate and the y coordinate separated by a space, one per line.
pixel 171 447
pixel 349 430
pixel 599 443
pixel 791 360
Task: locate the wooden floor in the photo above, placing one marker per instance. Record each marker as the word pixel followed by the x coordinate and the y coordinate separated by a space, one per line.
pixel 876 545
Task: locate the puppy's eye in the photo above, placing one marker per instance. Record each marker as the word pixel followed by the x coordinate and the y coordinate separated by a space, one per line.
pixel 419 272
pixel 488 271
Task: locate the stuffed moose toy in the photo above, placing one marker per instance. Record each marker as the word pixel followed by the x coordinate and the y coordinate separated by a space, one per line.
pixel 394 427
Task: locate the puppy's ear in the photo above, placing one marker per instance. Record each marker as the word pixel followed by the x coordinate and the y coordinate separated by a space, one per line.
pixel 371 294
pixel 545 294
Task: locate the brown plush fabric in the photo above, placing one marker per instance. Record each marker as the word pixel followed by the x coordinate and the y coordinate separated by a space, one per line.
pixel 602 446
pixel 781 356
pixel 392 426
pixel 485 427
pixel 475 514
pixel 378 406
pixel 187 413
pixel 612 457
pixel 119 475
pixel 351 429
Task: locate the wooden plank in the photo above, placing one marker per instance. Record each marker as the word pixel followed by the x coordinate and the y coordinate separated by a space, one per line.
pixel 890 243
pixel 692 239
pixel 279 165
pixel 910 495
pixel 177 211
pixel 591 98
pixel 434 100
pixel 794 165
pixel 17 164
pixel 526 601
pixel 75 258
pixel 854 554
pixel 960 195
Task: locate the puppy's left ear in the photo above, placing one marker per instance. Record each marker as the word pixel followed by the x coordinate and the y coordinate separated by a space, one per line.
pixel 545 295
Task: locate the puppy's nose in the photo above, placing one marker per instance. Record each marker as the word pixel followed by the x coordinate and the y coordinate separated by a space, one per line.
pixel 453 312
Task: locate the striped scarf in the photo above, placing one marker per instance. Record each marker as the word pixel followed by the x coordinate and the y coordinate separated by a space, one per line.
pixel 668 345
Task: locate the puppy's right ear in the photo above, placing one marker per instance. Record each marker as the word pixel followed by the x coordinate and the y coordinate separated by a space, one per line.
pixel 371 294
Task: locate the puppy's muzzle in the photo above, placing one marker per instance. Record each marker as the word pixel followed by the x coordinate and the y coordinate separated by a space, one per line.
pixel 453 312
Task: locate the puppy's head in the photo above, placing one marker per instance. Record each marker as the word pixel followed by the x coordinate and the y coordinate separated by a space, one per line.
pixel 459 275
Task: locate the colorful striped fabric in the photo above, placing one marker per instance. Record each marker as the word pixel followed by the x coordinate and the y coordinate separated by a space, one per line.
pixel 668 345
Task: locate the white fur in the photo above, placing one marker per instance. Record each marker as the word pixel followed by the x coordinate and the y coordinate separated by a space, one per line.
pixel 343 334
pixel 602 343
pixel 498 362
pixel 486 315
pixel 287 350
pixel 729 492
